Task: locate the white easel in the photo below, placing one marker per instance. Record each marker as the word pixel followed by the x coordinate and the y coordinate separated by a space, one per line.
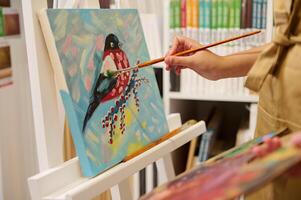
pixel 66 182
pixel 58 180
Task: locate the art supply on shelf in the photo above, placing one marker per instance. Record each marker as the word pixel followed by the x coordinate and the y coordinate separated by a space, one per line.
pixel 9 22
pixel 217 19
pixel 5 65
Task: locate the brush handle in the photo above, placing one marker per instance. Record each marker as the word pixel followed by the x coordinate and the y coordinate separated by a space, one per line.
pixel 182 53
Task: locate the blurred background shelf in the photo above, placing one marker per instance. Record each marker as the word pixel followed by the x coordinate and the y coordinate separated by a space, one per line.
pixel 196 26
pixel 225 98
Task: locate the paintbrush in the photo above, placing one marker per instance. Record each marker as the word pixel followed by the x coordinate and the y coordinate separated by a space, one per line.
pixel 182 53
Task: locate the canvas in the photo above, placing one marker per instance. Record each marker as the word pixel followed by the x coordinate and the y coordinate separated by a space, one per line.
pixel 243 147
pixel 109 117
pixel 228 178
pixel 198 183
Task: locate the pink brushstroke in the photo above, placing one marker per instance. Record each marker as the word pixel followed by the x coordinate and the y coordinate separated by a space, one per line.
pixel 100 42
pixel 72 71
pixel 74 51
pixel 91 61
pixel 88 83
pixel 67 43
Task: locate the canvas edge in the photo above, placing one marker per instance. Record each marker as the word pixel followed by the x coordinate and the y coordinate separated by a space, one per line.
pixel 63 89
pixel 152 69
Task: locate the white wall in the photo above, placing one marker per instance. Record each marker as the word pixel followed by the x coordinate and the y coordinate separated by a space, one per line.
pixel 17 144
pixel 1 187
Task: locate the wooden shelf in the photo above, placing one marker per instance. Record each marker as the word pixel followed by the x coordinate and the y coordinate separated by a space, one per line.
pixel 227 98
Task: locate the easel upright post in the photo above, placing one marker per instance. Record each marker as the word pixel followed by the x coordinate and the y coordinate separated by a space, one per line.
pixel 122 191
pixel 47 127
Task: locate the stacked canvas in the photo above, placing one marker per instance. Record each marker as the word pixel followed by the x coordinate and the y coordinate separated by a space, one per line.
pixel 110 117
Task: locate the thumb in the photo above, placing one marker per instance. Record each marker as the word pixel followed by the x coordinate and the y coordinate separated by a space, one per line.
pixel 178 61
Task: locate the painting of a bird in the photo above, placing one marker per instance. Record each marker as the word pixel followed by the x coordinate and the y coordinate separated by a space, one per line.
pixel 107 88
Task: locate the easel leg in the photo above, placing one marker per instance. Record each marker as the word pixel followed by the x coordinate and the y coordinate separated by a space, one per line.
pixel 122 191
pixel 166 169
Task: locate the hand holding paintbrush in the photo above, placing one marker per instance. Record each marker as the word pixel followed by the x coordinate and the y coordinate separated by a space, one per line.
pixel 181 53
pixel 190 50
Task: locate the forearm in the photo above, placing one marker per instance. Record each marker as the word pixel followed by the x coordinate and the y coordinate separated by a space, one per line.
pixel 209 65
pixel 239 64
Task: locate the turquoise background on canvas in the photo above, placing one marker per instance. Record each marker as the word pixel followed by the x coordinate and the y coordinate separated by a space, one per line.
pixel 79 37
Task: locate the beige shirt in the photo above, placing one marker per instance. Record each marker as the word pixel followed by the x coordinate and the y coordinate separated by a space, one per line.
pixel 276 75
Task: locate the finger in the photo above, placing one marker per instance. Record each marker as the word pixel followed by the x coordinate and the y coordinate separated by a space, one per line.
pixel 180 43
pixel 264 150
pixel 185 61
pixel 256 150
pixel 170 67
pixel 174 46
pixel 296 140
pixel 261 150
pixel 178 70
pixel 272 143
pixel 276 143
pixel 167 67
pixel 269 144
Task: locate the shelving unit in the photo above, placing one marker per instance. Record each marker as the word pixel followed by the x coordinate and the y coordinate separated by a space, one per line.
pixel 244 99
pixel 247 97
